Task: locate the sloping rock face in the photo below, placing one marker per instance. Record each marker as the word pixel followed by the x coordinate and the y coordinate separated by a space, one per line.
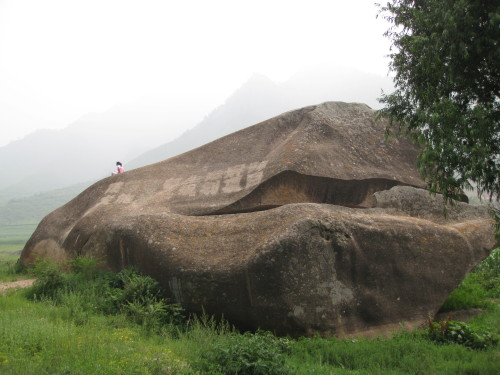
pixel 306 223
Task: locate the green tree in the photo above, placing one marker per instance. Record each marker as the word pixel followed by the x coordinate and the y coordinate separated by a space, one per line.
pixel 446 58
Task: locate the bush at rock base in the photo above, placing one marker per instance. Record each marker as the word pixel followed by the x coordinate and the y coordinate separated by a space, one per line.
pixel 87 290
pixel 453 332
pixel 259 353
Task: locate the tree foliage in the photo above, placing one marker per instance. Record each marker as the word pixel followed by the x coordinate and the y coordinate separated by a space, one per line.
pixel 446 58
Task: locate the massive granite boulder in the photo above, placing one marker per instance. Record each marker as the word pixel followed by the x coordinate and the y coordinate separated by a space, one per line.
pixel 309 222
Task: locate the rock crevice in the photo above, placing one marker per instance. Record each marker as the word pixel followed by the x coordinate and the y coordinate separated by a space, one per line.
pixel 289 187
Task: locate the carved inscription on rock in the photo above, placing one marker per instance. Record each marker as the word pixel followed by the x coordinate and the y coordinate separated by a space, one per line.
pixel 230 180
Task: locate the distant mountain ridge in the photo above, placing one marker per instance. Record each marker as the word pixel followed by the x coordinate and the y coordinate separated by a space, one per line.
pixel 261 98
pixel 84 151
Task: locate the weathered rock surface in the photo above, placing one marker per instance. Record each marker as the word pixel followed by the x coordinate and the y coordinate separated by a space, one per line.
pixel 332 257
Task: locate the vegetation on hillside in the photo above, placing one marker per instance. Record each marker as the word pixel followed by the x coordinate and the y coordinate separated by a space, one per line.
pixel 32 209
pixel 79 320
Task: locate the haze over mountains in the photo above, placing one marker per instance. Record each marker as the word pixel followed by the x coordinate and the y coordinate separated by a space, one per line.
pixel 86 150
pixel 260 99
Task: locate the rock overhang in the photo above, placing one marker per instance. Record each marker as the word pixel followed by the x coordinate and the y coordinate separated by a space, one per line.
pixel 338 142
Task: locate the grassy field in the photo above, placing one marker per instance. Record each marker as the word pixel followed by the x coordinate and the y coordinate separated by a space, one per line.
pixel 13 237
pixel 12 240
pixel 92 322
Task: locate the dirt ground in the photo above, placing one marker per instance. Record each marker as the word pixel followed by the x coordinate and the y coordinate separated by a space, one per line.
pixel 16 284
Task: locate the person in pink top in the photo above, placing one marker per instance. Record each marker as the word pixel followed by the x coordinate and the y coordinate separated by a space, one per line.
pixel 119 168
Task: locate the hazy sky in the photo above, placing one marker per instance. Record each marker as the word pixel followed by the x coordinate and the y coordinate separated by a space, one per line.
pixel 61 59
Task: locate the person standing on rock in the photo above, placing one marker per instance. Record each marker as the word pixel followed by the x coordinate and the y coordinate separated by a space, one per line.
pixel 119 168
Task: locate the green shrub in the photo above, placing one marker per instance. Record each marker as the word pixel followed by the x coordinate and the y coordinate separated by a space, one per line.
pixel 488 274
pixel 18 268
pixel 453 332
pixel 140 297
pixel 491 264
pixel 14 268
pixel 49 279
pixel 138 288
pixel 89 291
pixel 86 265
pixel 150 315
pixel 258 353
pixel 10 268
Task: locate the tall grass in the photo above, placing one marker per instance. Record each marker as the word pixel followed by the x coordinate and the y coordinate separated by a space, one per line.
pixel 479 288
pixel 92 322
pixel 88 291
pixel 403 354
pixel 12 241
pixel 40 338
pixel 10 269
